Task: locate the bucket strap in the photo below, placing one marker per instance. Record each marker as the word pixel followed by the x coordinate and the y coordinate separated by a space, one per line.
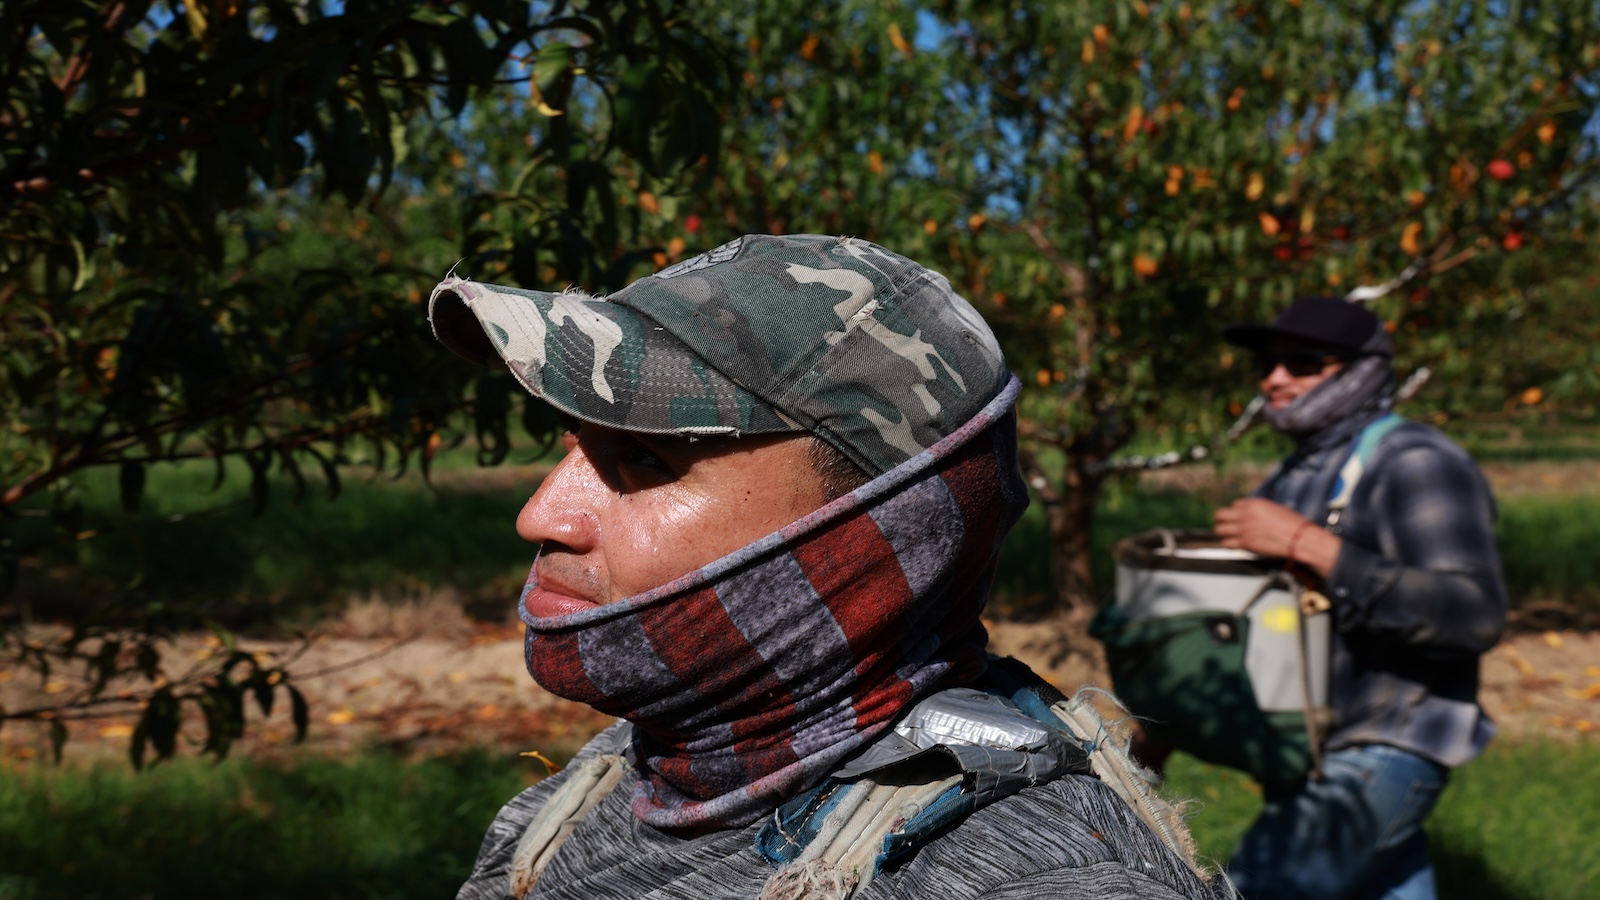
pixel 1311 602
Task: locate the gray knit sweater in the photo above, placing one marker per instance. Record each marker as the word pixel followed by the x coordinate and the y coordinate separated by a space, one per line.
pixel 1070 838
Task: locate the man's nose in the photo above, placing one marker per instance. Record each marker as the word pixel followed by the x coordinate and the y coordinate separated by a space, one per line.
pixel 565 508
pixel 1278 375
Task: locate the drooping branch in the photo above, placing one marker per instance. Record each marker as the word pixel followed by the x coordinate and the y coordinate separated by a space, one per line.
pixel 78 65
pixel 1366 293
pixel 1245 421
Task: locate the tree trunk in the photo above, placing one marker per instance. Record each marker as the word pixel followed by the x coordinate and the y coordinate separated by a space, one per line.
pixel 1072 543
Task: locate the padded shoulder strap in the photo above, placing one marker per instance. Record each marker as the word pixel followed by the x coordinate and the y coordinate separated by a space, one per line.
pixel 1362 448
pixel 587 784
pixel 1106 743
pixel 830 843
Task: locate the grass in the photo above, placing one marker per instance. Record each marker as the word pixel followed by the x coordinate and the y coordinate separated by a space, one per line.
pixel 375 826
pixel 1547 548
pixel 1545 543
pixel 380 535
pixel 1512 824
pixel 302 558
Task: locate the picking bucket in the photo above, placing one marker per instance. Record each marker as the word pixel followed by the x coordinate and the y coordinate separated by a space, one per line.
pixel 1210 648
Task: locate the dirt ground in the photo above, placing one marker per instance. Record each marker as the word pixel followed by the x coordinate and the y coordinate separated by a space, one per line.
pixel 422 679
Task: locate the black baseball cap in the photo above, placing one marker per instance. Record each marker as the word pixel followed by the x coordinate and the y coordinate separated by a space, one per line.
pixel 1330 322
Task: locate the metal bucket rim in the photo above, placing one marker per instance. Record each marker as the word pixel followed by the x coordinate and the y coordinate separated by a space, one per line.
pixel 1161 548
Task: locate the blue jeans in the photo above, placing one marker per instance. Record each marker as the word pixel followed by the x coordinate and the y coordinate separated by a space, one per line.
pixel 1356 833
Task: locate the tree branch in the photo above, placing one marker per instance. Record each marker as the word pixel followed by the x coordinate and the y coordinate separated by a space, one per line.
pixel 78 64
pixel 1246 420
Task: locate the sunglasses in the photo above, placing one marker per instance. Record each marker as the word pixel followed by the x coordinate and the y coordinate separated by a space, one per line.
pixel 1298 363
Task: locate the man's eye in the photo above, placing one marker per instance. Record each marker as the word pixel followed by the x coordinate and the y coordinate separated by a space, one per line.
pixel 623 460
pixel 635 455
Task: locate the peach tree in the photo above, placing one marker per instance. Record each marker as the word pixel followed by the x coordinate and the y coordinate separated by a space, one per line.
pixel 1152 171
pixel 217 218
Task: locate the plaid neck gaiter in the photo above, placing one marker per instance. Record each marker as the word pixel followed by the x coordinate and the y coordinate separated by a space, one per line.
pixel 1366 380
pixel 752 678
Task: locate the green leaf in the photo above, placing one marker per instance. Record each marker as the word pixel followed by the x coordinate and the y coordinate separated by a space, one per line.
pixel 575 23
pixel 552 62
pixel 104 664
pixel 148 660
pixel 264 690
pixel 130 482
pixel 464 61
pixel 291 467
pixel 58 739
pixel 330 471
pixel 260 486
pixel 298 712
pixel 161 721
pixel 138 743
pixel 222 704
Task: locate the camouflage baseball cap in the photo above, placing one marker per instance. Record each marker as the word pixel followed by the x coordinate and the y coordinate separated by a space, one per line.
pixel 765 334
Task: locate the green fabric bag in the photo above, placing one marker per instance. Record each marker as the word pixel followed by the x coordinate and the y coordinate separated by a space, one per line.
pixel 1185 677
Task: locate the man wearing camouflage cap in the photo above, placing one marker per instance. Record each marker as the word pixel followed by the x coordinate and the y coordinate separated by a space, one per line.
pixel 790 467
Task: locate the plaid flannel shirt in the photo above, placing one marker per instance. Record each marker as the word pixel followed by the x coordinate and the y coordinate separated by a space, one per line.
pixel 1417 592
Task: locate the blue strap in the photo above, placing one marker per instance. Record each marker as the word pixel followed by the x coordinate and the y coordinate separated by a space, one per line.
pixel 1361 450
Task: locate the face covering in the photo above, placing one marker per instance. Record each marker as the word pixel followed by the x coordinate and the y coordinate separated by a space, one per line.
pixel 1367 381
pixel 754 677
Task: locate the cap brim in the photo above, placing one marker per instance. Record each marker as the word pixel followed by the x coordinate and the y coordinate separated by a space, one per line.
pixel 596 360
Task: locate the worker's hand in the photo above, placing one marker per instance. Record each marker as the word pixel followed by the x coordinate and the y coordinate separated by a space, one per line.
pixel 1260 526
pixel 1274 530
